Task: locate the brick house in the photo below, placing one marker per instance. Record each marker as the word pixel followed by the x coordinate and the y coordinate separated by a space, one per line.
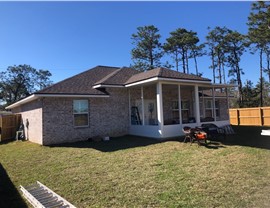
pixel 112 101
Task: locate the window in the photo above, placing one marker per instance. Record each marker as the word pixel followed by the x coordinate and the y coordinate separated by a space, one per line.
pixel 209 108
pixel 217 108
pixel 80 113
pixel 185 111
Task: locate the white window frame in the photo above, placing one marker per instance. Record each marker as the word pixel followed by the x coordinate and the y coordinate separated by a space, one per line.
pixel 81 113
pixel 207 108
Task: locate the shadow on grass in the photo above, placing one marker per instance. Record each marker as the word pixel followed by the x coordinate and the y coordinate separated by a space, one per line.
pixel 214 145
pixel 249 136
pixel 114 144
pixel 245 136
pixel 9 196
pixel 6 141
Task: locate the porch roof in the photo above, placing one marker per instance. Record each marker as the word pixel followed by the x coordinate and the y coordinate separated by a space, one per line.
pixel 164 74
pixel 93 82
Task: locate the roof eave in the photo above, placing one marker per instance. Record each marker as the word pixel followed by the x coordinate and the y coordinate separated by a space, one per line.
pixel 23 101
pixel 70 95
pixel 224 85
pixel 107 85
pixel 168 79
pixel 42 95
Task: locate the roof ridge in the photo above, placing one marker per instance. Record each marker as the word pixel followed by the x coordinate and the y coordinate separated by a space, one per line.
pixel 160 71
pixel 108 76
pixel 108 66
pixel 76 75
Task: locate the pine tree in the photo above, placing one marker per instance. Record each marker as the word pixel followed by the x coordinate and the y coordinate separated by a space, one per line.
pixel 148 51
pixel 259 34
pixel 180 46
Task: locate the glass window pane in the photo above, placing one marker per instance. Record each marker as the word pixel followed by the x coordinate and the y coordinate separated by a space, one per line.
pixel 80 106
pixel 208 104
pixel 80 119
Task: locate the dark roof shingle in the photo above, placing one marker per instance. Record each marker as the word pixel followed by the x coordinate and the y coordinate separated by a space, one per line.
pixel 164 73
pixel 81 83
pixel 118 77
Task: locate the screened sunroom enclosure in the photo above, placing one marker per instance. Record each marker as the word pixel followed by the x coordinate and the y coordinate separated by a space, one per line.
pixel 160 110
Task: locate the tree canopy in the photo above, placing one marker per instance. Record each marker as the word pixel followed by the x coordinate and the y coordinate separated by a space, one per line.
pixel 17 82
pixel 148 51
pixel 259 36
pixel 180 45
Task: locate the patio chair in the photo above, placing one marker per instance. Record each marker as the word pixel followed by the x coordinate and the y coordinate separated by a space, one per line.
pixel 188 134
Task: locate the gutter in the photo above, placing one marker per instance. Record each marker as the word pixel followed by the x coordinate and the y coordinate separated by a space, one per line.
pixel 36 96
pixel 169 80
pixel 106 85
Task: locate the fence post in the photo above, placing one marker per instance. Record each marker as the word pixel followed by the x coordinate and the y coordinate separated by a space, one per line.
pixel 261 116
pixel 237 115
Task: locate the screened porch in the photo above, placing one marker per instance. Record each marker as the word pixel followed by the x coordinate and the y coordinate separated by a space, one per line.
pixel 160 110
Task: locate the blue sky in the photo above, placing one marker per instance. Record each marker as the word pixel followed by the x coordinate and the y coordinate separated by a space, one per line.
pixel 70 37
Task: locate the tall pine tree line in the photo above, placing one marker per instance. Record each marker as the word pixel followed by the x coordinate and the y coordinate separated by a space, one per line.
pixel 224 46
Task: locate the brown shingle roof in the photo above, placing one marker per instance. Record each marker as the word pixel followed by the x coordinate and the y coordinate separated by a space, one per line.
pixel 118 77
pixel 164 73
pixel 81 83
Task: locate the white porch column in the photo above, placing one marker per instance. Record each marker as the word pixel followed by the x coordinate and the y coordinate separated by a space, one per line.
pixel 197 105
pixel 142 97
pixel 160 109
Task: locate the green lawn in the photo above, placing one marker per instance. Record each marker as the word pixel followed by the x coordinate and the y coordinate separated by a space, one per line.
pixel 140 172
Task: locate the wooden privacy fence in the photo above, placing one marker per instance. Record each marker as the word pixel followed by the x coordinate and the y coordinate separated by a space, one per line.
pixel 8 126
pixel 250 116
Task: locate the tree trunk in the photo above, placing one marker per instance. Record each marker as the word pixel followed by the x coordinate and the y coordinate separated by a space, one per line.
pixel 224 75
pixel 183 60
pixel 261 79
pixel 196 65
pixel 151 60
pixel 240 87
pixel 187 63
pixel 238 76
pixel 213 66
pixel 219 70
pixel 176 61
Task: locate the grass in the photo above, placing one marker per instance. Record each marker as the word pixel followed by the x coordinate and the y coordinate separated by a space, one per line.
pixel 139 172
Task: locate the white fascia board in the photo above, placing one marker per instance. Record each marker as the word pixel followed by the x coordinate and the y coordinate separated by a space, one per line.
pixel 23 101
pixel 71 95
pixel 185 81
pixel 142 82
pixel 168 80
pixel 102 85
pixel 36 96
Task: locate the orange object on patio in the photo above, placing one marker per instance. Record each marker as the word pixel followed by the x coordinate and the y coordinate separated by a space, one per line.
pixel 201 135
